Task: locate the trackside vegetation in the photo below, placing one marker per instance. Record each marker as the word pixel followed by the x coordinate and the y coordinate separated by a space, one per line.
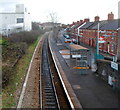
pixel 17 51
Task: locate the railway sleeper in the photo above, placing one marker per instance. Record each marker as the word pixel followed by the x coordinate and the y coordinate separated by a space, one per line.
pixel 50 100
pixel 51 107
pixel 49 94
pixel 48 91
pixel 50 103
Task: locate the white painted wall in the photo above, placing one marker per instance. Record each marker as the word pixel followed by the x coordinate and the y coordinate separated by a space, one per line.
pixel 27 22
pixel 8 21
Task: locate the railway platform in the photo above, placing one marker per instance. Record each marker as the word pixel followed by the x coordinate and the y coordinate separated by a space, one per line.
pixel 89 90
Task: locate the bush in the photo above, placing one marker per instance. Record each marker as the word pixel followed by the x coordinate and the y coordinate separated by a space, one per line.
pixel 15 47
pixel 15 50
pixel 6 74
pixel 28 37
pixel 35 26
pixel 11 53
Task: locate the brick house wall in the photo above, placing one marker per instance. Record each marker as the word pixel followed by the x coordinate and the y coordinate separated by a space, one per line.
pixel 89 35
pixel 110 46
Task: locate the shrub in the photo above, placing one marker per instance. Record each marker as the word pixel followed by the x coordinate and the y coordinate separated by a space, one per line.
pixel 15 47
pixel 6 74
pixel 11 53
pixel 28 37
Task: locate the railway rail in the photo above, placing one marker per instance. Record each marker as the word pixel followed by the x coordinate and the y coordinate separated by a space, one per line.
pixel 49 97
pixel 52 95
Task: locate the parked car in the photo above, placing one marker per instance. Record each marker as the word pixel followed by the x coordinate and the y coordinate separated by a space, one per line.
pixel 67 36
pixel 74 41
pixel 68 40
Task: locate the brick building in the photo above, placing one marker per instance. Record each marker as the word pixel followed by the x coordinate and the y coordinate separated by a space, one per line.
pixel 88 31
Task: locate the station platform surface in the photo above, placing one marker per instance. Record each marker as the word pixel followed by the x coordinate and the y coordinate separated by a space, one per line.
pixel 90 89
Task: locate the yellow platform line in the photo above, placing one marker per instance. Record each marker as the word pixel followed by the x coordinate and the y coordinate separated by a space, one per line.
pixel 65 53
pixel 81 67
pixel 65 50
pixel 67 41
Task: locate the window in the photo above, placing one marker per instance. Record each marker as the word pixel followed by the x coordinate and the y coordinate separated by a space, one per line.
pixel 113 35
pixel 20 20
pixel 25 9
pixel 112 47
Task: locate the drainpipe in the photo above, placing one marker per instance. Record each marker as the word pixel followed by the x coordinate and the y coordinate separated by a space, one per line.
pixel 108 47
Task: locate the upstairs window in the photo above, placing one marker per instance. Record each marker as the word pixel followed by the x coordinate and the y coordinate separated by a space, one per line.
pixel 20 20
pixel 112 47
pixel 113 35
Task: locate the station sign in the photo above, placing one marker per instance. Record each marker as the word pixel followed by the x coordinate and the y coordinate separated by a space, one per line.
pixel 101 39
pixel 114 65
pixel 106 35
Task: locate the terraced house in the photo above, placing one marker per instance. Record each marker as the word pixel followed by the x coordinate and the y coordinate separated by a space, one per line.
pixel 87 33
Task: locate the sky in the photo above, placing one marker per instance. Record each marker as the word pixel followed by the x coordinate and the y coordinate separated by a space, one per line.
pixel 67 11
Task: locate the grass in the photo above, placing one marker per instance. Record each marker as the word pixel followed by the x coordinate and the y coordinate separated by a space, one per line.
pixel 8 94
pixel 2 41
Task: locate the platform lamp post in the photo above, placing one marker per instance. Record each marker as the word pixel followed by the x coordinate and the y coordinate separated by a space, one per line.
pixel 97 55
pixel 78 36
pixel 97 41
pixel 97 44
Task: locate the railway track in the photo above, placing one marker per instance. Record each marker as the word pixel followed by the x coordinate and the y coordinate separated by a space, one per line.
pixel 52 95
pixel 49 97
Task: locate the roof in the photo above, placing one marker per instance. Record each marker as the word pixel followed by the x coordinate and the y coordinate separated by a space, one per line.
pixel 94 24
pixel 111 25
pixel 76 26
pixel 77 47
pixel 87 25
pixel 101 23
pixel 12 13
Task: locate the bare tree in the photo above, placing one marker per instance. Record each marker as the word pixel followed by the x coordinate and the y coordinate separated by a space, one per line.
pixel 53 18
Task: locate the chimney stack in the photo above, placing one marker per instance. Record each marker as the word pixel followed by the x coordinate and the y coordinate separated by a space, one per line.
pixel 97 18
pixel 110 16
pixel 73 23
pixel 86 20
pixel 77 22
pixel 81 21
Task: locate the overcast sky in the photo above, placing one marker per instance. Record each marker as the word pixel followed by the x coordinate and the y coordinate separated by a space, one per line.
pixel 67 10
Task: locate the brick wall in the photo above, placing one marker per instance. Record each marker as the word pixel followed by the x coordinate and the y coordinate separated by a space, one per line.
pixel 104 70
pixel 90 39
